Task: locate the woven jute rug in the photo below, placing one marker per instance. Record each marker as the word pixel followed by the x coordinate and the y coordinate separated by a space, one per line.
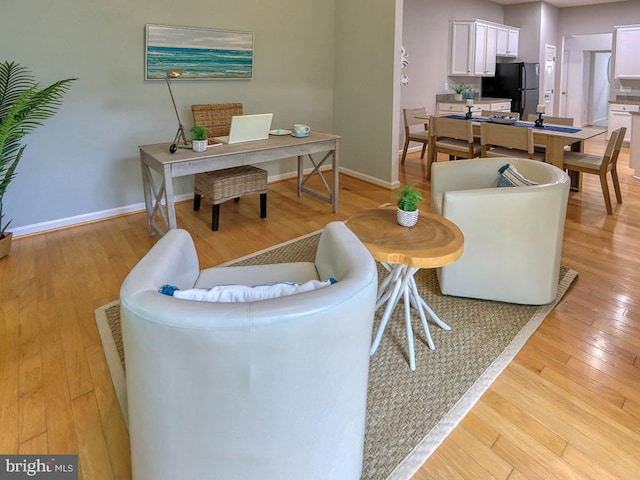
pixel 409 413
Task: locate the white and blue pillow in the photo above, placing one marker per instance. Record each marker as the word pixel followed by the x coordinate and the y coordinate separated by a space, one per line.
pixel 511 177
pixel 244 293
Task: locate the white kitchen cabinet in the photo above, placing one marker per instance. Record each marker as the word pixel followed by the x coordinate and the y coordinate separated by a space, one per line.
pixel 627 42
pixel 485 49
pixel 475 44
pixel 501 107
pixel 472 51
pixel 620 116
pixel 507 41
pixel 444 108
pixel 462 36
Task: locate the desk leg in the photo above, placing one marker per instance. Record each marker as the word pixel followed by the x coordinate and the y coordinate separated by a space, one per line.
pixel 300 174
pixel 153 199
pixel 332 191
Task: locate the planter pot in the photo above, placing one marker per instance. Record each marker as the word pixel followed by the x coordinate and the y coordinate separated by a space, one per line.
pixel 457 96
pixel 5 245
pixel 407 219
pixel 199 145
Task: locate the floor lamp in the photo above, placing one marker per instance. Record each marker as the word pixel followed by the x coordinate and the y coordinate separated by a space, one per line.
pixel 180 133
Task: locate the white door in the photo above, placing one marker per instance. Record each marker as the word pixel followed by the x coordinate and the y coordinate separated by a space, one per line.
pixel 549 78
pixel 564 76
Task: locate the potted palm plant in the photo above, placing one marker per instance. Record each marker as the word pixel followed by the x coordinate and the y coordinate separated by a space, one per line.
pixel 408 200
pixel 23 106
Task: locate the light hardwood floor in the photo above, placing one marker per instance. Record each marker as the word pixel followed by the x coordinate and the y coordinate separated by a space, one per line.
pixel 567 407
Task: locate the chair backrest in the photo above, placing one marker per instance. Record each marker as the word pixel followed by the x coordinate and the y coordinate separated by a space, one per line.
pixel 497 135
pixel 566 121
pixel 486 113
pixel 215 117
pixel 610 157
pixel 236 387
pixel 411 118
pixel 451 128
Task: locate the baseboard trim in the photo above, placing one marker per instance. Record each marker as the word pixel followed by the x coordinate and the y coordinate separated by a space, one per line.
pixel 92 217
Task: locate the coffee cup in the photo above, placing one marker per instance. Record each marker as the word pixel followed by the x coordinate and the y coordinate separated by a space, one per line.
pixel 301 130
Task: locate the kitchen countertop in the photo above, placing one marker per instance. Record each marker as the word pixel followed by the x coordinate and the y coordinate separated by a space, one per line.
pixel 448 98
pixel 626 99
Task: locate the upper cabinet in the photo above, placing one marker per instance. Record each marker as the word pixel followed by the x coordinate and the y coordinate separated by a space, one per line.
pixel 485 51
pixel 627 41
pixel 507 43
pixel 475 44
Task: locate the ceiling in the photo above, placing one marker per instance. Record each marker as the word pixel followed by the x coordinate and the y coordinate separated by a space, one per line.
pixel 558 3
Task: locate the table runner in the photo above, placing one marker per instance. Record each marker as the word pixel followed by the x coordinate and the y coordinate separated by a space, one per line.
pixel 552 128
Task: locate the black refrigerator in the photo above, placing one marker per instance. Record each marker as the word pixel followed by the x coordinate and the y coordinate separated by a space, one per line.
pixel 517 81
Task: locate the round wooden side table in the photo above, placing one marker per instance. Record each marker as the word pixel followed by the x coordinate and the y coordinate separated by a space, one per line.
pixel 433 242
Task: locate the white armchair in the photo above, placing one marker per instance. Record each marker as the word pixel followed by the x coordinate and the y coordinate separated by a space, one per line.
pixel 513 236
pixel 271 389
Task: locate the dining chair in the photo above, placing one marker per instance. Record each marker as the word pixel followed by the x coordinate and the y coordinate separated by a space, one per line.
pixel 453 137
pixel 499 140
pixel 565 121
pixel 486 113
pixel 222 185
pixel 600 165
pixel 414 117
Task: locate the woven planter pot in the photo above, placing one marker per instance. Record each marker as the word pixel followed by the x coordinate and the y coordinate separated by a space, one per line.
pixel 407 219
pixel 5 245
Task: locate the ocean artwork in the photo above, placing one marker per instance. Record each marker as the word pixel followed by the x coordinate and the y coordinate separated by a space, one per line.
pixel 201 54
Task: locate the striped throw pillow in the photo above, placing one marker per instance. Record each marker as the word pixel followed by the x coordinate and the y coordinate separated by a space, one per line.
pixel 511 177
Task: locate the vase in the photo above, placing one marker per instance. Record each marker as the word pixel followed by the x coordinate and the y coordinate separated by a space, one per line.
pixel 407 219
pixel 199 145
pixel 5 244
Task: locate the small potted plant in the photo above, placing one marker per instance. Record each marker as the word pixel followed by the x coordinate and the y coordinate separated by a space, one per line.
pixel 408 200
pixel 459 89
pixel 199 138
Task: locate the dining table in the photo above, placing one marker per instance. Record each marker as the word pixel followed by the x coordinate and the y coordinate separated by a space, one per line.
pixel 553 137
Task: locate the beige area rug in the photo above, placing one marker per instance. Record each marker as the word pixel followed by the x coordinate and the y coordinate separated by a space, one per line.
pixel 408 413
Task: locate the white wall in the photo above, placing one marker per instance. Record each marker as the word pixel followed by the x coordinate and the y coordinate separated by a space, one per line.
pixel 85 159
pixel 597 19
pixel 426 39
pixel 578 48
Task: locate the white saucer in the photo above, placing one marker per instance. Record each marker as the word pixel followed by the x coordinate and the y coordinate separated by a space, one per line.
pixel 300 136
pixel 279 131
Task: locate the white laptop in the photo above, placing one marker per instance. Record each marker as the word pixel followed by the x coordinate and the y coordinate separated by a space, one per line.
pixel 245 128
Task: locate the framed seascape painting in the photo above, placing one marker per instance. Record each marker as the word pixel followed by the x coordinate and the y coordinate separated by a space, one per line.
pixel 201 54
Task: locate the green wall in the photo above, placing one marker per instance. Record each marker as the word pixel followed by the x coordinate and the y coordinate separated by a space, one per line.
pixel 83 163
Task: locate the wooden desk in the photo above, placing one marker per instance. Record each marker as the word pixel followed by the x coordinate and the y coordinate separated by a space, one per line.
pixel 433 242
pixel 156 157
pixel 553 140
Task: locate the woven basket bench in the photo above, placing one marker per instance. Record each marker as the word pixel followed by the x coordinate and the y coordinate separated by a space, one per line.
pixel 222 185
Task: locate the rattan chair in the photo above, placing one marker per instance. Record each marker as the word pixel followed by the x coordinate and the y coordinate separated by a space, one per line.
pixel 222 185
pixel 414 117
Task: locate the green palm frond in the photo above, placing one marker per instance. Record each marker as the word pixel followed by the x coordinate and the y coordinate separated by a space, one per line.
pixel 23 107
